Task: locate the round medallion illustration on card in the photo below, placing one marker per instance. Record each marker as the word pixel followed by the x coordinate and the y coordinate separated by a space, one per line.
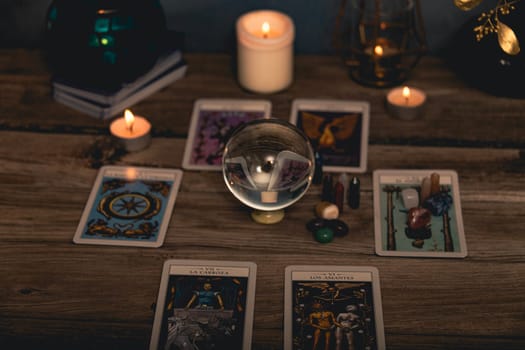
pixel 129 205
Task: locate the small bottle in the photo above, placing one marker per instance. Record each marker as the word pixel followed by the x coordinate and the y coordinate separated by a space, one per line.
pixel 339 195
pixel 354 189
pixel 343 178
pixel 434 183
pixel 318 172
pixel 328 192
pixel 425 189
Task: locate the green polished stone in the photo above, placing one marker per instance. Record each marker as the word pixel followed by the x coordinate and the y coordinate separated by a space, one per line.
pixel 324 235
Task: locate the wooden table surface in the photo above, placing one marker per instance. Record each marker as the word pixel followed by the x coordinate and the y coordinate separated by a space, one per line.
pixel 56 294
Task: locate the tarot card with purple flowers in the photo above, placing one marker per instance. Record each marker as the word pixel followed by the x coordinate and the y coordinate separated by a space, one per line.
pixel 212 123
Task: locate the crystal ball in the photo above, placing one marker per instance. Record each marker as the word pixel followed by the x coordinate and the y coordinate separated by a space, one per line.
pixel 268 164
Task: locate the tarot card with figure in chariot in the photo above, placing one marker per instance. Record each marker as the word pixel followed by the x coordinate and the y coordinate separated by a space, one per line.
pixel 204 305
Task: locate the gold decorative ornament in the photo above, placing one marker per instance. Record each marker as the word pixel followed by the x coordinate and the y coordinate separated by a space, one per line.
pixel 491 23
pixel 466 5
pixel 507 39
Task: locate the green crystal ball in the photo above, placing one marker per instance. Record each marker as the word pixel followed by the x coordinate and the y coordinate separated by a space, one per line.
pixel 103 42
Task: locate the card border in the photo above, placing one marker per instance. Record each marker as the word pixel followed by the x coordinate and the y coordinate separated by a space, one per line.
pixel 342 106
pixel 462 253
pixel 77 238
pixel 250 295
pixel 376 290
pixel 220 104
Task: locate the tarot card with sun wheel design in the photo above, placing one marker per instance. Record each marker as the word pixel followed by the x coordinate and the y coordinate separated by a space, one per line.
pixel 129 206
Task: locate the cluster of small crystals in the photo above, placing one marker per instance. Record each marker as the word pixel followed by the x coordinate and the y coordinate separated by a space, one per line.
pixel 490 19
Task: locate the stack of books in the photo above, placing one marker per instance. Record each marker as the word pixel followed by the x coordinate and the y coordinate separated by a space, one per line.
pixel 106 103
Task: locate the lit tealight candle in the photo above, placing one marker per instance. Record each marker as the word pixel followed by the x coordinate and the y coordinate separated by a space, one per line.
pixel 132 131
pixel 406 103
pixel 265 51
pixel 378 50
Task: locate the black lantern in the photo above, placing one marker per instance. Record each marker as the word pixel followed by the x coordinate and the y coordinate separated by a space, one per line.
pixel 381 40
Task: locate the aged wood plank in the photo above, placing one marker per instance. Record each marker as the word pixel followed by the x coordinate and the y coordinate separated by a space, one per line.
pixel 58 294
pixel 80 150
pixel 79 287
pixel 452 107
pixel 49 192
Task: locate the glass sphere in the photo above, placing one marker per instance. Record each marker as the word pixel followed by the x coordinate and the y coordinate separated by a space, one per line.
pixel 268 164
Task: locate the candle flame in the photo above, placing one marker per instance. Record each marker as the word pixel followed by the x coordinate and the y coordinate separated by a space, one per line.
pixel 378 50
pixel 130 119
pixel 406 93
pixel 265 28
pixel 131 173
pixel 105 11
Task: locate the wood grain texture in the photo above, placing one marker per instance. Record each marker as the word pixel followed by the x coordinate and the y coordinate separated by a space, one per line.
pixel 55 294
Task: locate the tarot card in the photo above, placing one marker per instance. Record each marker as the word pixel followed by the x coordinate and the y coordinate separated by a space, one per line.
pixel 290 168
pixel 208 304
pixel 332 307
pixel 337 129
pixel 129 206
pixel 418 213
pixel 212 123
pixel 239 173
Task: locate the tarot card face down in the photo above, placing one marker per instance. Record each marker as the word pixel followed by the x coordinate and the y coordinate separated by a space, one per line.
pixel 418 213
pixel 337 130
pixel 129 206
pixel 204 305
pixel 333 308
pixel 212 123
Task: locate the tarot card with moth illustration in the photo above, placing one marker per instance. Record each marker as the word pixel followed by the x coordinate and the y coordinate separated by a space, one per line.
pixel 129 206
pixel 337 130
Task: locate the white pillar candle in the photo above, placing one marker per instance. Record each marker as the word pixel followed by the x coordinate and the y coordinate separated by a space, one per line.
pixel 132 131
pixel 265 51
pixel 406 102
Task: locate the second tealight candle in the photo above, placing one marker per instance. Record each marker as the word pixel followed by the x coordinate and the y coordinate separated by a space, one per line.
pixel 406 103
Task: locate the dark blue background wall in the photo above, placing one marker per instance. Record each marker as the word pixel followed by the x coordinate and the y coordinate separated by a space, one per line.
pixel 209 25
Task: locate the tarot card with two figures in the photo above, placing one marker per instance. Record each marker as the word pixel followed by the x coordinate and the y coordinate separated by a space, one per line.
pixel 333 308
